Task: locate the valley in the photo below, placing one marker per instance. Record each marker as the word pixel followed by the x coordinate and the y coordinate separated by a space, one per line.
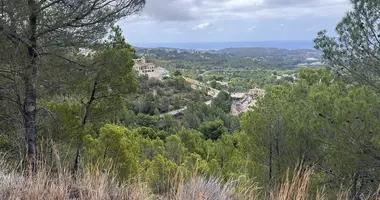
pixel 189 99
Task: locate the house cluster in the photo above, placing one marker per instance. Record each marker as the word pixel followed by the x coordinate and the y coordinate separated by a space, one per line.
pixel 243 102
pixel 149 69
pixel 311 62
pixel 257 93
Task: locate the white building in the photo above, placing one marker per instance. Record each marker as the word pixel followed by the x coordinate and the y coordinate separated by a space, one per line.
pixel 149 69
pixel 142 67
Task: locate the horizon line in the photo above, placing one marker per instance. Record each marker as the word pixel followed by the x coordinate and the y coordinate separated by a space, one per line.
pixel 223 41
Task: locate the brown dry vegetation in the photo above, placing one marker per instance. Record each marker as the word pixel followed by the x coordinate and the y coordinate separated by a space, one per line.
pixel 98 184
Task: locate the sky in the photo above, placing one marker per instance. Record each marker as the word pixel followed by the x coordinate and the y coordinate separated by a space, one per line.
pixel 187 21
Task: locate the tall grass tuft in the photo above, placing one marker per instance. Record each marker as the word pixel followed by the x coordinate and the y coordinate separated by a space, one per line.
pixel 93 184
pixel 295 188
pixel 206 189
pixel 97 184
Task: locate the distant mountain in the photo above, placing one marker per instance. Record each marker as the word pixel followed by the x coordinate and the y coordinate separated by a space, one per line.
pixel 258 56
pixel 301 44
pixel 272 52
pixel 298 55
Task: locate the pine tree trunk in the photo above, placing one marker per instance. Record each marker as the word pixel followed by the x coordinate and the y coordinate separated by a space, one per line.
pixel 80 143
pixel 84 122
pixel 30 102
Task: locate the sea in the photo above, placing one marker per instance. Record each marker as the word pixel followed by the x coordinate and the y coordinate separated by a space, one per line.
pixel 289 44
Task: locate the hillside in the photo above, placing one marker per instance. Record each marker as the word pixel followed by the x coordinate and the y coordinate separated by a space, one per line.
pixel 86 116
pixel 273 52
pixel 261 57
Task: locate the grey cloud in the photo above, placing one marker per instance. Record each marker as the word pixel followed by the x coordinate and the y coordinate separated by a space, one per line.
pixel 187 10
pixel 289 2
pixel 170 10
pixel 303 3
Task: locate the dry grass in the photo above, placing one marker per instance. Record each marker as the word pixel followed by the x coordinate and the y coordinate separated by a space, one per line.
pixel 296 188
pixel 205 189
pixel 200 188
pixel 94 184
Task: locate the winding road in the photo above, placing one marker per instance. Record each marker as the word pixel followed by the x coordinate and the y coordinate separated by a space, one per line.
pixel 194 84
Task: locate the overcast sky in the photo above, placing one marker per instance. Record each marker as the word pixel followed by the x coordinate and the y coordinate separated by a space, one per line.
pixel 166 21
